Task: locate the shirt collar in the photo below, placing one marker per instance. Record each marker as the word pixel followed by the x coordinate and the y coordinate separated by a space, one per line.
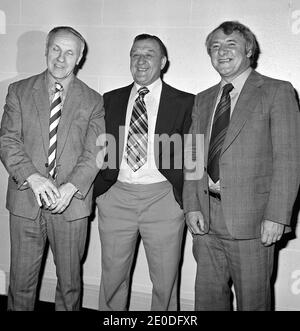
pixel 239 81
pixel 156 84
pixel 65 83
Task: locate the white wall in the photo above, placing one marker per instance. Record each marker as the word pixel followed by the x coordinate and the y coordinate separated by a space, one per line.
pixel 109 27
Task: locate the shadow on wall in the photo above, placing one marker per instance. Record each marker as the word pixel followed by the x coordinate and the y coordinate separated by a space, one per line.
pixel 30 59
pixel 2 282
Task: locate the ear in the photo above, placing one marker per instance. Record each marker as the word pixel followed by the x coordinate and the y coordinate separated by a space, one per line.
pixel 82 47
pixel 163 62
pixel 79 58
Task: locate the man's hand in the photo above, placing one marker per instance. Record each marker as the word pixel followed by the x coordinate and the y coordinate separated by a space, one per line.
pixel 271 232
pixel 43 188
pixel 195 222
pixel 66 194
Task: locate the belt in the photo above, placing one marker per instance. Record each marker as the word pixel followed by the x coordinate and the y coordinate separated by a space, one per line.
pixel 215 195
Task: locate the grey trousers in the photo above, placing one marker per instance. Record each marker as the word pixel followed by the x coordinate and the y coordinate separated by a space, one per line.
pixel 220 258
pixel 125 211
pixel 28 239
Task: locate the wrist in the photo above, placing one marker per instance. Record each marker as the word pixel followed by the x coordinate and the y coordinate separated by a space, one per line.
pixel 31 178
pixel 73 188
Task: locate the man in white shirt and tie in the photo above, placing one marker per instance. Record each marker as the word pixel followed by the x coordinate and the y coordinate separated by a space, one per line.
pixel 142 194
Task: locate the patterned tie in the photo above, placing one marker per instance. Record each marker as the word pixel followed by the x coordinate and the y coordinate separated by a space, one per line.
pixel 137 140
pixel 55 114
pixel 218 133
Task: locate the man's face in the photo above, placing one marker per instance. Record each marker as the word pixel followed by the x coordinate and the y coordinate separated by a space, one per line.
pixel 229 55
pixel 63 53
pixel 146 61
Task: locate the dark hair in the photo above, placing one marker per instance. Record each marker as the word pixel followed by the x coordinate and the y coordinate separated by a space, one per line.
pixel 145 36
pixel 251 42
pixel 67 29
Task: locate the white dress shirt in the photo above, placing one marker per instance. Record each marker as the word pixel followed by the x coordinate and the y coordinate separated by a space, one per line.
pixel 148 173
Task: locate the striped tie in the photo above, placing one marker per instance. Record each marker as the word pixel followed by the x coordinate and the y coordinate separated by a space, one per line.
pixel 218 133
pixel 55 114
pixel 137 140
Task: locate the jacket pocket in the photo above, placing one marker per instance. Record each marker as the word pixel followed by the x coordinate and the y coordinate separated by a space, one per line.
pixel 262 184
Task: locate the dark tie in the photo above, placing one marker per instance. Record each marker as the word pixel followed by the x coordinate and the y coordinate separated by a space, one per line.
pixel 137 140
pixel 218 133
pixel 55 114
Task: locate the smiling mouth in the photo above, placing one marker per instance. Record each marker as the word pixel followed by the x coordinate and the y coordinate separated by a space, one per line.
pixel 58 66
pixel 224 60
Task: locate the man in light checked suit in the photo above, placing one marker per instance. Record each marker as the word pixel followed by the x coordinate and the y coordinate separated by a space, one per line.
pixel 42 207
pixel 236 219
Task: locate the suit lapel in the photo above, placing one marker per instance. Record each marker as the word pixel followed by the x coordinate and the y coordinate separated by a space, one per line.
pixel 165 121
pixel 41 99
pixel 247 101
pixel 116 117
pixel 70 107
pixel 167 110
pixel 208 101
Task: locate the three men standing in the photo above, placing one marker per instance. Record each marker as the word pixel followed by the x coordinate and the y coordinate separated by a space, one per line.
pixel 239 208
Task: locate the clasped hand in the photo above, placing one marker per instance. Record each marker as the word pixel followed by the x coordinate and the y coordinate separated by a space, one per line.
pixel 53 198
pixel 66 194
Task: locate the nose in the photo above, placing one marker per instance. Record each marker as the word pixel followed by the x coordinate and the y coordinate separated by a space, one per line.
pixel 60 57
pixel 222 50
pixel 141 59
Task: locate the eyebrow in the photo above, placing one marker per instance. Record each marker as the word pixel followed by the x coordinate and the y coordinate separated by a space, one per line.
pixel 231 40
pixel 146 50
pixel 226 40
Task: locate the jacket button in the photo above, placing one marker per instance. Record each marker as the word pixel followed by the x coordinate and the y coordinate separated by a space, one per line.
pixel 205 191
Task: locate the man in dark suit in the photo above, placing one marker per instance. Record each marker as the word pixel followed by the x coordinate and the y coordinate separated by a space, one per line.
pixel 242 204
pixel 141 193
pixel 48 136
